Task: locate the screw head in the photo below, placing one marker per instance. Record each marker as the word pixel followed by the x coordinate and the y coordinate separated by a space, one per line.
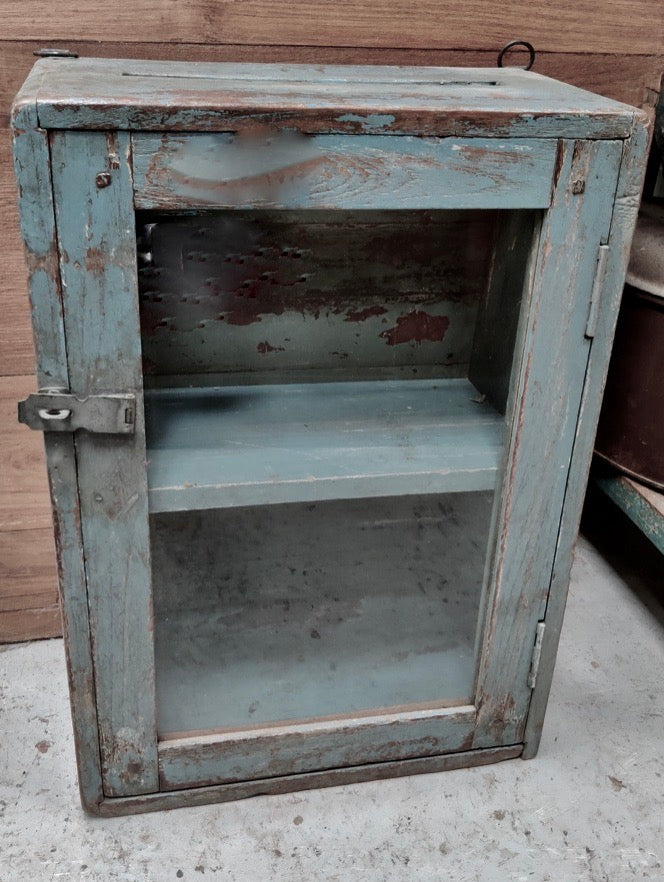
pixel 102 180
pixel 578 186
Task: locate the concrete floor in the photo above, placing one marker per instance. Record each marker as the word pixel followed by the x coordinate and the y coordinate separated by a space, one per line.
pixel 589 807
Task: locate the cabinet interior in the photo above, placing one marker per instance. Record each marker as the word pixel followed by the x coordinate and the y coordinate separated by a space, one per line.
pixel 326 396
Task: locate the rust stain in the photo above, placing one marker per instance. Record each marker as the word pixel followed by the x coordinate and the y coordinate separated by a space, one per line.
pixel 481 154
pixel 95 260
pixel 416 327
pixel 113 148
pixel 265 347
pixel 558 165
pixel 577 153
pixel 240 272
pixel 43 746
pixel 363 314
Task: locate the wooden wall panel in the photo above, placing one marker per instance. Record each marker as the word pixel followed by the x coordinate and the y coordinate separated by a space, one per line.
pixel 616 49
pixel 635 27
pixel 28 581
pixel 24 499
pixel 16 348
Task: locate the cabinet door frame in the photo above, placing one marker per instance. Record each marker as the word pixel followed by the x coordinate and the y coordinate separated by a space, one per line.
pixel 132 760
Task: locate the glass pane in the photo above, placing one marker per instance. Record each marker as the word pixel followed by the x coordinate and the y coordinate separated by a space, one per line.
pixel 326 410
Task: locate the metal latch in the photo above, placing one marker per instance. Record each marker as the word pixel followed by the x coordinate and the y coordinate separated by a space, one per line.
pixel 537 655
pixel 52 410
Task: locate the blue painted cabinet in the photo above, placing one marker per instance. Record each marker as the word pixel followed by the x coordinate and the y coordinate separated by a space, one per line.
pixel 320 355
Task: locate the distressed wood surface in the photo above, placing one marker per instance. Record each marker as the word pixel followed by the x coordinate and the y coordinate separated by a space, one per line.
pixel 98 268
pixel 340 172
pixel 304 747
pixel 252 445
pixel 380 100
pixel 492 355
pixel 294 783
pixel 92 270
pixel 623 221
pixel 36 215
pixel 548 388
pixel 632 79
pixel 32 159
pixel 268 293
pixel 636 27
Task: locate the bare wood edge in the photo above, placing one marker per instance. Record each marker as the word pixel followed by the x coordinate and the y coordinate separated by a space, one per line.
pixel 61 461
pixel 630 183
pixel 305 781
pixel 445 707
pixel 211 740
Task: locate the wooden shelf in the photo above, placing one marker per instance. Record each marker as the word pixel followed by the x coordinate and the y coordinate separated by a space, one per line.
pixel 253 445
pixel 643 505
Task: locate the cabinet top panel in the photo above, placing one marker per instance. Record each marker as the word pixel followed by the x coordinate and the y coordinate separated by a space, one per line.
pixel 96 93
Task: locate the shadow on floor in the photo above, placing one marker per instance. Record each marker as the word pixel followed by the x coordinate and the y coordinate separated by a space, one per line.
pixel 626 549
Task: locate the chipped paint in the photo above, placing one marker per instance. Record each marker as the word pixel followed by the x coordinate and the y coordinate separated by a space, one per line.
pixel 264 347
pixel 416 327
pixel 363 314
pixel 370 122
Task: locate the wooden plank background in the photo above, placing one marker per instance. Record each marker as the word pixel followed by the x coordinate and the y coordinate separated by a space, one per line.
pixel 615 48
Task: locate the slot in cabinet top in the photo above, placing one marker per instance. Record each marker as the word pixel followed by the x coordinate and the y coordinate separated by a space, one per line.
pixel 96 93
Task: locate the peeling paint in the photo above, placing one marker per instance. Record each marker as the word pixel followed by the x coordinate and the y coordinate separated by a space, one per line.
pixel 364 314
pixel 416 327
pixel 265 347
pixel 369 122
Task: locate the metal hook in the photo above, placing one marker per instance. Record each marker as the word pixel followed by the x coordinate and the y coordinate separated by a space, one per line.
pixel 512 45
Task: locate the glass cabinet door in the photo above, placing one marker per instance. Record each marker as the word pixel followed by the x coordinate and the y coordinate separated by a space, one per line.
pixel 330 539
pixel 326 417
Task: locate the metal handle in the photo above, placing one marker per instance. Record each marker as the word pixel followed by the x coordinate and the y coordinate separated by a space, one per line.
pixel 513 45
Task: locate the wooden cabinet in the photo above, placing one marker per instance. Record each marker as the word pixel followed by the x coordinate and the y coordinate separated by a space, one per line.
pixel 321 352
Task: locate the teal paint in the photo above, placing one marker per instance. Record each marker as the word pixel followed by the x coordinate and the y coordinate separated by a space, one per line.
pixel 209 448
pixel 171 96
pixel 95 232
pixel 307 747
pixel 639 509
pixel 372 123
pixel 33 173
pixel 498 150
pixel 547 391
pixel 622 223
pixel 340 172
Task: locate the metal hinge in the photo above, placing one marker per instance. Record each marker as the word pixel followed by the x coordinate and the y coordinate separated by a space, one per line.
pixel 537 654
pixel 598 284
pixel 54 410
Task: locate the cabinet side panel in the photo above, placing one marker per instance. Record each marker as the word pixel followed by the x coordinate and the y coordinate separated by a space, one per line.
pixel 548 388
pixel 622 227
pixel 98 266
pixel 33 172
